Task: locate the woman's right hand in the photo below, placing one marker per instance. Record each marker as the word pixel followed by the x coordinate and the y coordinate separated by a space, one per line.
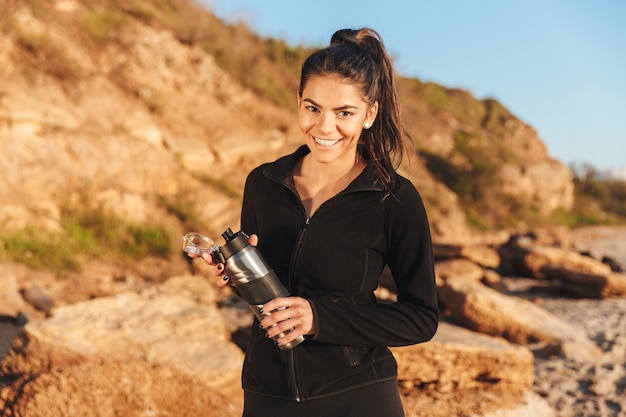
pixel 219 266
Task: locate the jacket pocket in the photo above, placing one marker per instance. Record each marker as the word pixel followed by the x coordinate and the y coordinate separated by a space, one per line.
pixel 356 356
pixel 351 356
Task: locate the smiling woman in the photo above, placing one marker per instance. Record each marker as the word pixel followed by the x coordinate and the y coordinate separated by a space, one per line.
pixel 329 218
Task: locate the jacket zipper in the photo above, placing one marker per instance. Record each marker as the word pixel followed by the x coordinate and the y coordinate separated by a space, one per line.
pixel 291 353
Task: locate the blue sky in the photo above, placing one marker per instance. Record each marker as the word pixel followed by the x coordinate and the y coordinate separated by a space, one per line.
pixel 558 65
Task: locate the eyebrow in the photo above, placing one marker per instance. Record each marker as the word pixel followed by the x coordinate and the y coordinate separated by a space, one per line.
pixel 344 107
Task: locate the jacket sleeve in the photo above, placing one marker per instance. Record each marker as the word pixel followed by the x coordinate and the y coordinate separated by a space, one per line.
pixel 414 317
pixel 248 218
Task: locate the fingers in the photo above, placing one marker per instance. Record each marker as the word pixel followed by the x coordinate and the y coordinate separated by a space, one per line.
pixel 221 273
pixel 210 259
pixel 223 281
pixel 291 316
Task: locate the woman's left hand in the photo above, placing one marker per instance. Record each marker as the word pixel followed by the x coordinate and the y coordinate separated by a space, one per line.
pixel 285 313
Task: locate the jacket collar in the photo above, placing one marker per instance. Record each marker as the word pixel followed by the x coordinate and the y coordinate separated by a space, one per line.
pixel 281 171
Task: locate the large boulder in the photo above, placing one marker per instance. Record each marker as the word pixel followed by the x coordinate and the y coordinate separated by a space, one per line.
pixel 460 372
pixel 529 258
pixel 546 183
pixel 577 274
pixel 589 285
pixel 176 325
pixel 488 311
pixel 481 254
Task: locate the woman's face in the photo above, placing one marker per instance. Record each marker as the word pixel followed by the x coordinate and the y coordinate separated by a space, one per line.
pixel 331 116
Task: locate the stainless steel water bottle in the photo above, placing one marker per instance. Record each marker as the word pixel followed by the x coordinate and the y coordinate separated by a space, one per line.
pixel 253 278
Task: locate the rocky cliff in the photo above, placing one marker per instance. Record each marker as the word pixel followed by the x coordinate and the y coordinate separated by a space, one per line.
pixel 122 123
pixel 103 106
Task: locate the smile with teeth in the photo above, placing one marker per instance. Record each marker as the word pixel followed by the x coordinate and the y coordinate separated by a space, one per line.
pixel 326 142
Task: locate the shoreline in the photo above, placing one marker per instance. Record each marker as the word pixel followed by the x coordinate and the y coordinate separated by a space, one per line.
pixel 600 241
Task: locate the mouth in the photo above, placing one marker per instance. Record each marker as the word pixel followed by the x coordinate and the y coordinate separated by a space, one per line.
pixel 326 143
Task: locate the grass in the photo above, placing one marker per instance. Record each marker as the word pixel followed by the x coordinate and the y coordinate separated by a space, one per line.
pixel 85 235
pixel 103 26
pixel 99 234
pixel 181 207
pixel 221 186
pixel 38 250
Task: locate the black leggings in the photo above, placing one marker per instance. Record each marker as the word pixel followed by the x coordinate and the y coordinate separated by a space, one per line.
pixel 377 400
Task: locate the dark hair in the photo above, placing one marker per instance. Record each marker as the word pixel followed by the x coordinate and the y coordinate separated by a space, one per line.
pixel 360 56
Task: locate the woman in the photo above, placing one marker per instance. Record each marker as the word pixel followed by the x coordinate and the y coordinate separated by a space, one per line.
pixel 329 218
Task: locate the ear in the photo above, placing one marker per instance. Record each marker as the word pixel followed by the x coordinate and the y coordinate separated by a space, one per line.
pixel 372 112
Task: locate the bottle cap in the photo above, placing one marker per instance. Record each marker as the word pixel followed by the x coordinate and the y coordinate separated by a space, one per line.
pixel 234 242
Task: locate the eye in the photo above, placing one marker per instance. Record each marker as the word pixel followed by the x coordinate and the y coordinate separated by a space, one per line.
pixel 312 108
pixel 345 113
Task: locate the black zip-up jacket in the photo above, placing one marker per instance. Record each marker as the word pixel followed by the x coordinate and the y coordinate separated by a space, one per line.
pixel 334 259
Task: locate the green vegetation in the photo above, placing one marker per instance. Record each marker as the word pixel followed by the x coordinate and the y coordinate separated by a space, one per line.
pixel 38 250
pixel 181 207
pixel 457 102
pixel 598 201
pixel 471 180
pixel 97 234
pixel 276 64
pixel 221 186
pixel 85 235
pixel 103 26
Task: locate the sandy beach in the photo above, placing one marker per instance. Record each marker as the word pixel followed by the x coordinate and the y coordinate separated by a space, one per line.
pixel 597 387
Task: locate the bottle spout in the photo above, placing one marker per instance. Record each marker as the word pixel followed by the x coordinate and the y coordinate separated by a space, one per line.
pixel 228 234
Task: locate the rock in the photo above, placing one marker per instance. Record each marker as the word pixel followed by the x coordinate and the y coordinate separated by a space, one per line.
pixel 492 239
pixel 526 257
pixel 11 302
pixel 135 388
pixel 552 236
pixel 492 279
pixel 582 284
pixel 520 321
pixel 460 372
pixel 547 184
pixel 611 262
pixel 482 255
pixel 39 299
pixel 458 268
pixel 579 275
pixel 175 324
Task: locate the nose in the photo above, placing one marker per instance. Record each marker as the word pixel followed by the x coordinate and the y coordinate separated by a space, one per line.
pixel 326 123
